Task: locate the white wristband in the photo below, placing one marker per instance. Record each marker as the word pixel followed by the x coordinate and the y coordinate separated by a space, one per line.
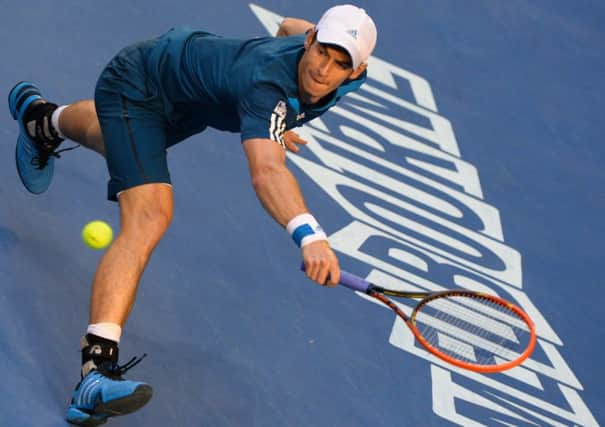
pixel 304 229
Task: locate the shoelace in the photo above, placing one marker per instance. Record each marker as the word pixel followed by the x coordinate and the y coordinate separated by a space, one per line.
pixel 116 371
pixel 122 369
pixel 41 160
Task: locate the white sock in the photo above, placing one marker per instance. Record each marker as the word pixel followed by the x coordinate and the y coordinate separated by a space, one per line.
pixel 110 331
pixel 54 120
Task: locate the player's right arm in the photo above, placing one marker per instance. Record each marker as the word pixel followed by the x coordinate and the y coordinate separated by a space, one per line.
pixel 280 195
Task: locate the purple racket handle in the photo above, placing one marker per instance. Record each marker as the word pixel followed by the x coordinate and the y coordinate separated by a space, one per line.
pixel 351 281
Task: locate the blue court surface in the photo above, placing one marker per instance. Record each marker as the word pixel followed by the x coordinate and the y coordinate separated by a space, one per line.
pixel 473 157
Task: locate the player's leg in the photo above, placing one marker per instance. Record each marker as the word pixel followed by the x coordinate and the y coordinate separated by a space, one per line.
pixel 145 212
pixel 135 150
pixel 78 122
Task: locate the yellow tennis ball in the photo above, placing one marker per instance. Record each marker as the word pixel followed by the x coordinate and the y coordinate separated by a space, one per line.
pixel 97 234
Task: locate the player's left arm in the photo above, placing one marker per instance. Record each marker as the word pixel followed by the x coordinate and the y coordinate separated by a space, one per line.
pixel 293 26
pixel 292 140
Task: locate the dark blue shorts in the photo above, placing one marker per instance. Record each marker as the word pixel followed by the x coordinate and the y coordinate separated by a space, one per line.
pixel 135 127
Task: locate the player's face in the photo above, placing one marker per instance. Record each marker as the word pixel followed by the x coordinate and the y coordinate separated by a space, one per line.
pixel 322 69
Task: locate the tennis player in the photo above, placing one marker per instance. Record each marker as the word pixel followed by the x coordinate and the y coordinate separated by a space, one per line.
pixel 155 94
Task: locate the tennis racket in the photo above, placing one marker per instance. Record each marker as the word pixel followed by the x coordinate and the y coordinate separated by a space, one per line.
pixel 471 330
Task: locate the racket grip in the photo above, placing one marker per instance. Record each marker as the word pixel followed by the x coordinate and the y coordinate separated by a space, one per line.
pixel 350 281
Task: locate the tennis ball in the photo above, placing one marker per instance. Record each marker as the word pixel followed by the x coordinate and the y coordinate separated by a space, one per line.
pixel 97 234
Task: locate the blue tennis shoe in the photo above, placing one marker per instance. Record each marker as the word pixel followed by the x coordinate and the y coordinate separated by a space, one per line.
pixel 102 394
pixel 37 141
pixel 102 391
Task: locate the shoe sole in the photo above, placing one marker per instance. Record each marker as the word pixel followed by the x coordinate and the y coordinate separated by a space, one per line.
pixel 128 404
pixel 17 103
pixel 115 408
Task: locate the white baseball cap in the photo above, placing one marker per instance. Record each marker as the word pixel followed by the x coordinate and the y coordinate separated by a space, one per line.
pixel 351 28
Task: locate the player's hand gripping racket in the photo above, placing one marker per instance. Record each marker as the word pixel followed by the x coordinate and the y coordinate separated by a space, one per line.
pixel 471 330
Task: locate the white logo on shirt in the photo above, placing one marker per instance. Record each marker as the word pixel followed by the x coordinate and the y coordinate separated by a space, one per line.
pixel 281 109
pixel 277 126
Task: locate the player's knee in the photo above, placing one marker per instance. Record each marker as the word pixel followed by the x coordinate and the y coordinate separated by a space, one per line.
pixel 147 218
pixel 155 219
pixel 146 226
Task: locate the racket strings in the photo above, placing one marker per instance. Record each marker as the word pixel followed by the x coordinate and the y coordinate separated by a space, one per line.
pixel 474 329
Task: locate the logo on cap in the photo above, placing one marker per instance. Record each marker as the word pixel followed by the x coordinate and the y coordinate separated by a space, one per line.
pixel 352 33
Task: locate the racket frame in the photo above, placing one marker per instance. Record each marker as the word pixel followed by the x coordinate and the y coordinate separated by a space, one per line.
pixel 379 293
pixel 358 284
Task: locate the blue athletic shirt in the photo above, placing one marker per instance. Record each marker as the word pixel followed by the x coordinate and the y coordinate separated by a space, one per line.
pixel 246 86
